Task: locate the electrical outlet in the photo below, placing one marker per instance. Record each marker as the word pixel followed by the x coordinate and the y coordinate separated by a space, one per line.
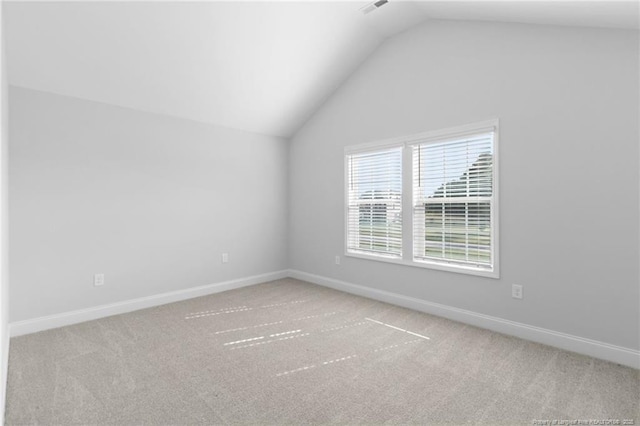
pixel 337 260
pixel 225 257
pixel 98 280
pixel 516 291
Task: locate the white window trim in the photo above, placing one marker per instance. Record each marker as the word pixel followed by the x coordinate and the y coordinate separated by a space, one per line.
pixel 406 142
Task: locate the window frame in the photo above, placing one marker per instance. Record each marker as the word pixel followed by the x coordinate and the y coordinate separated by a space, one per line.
pixel 407 143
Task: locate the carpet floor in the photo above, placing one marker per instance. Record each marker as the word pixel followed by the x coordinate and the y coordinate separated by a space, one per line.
pixel 290 352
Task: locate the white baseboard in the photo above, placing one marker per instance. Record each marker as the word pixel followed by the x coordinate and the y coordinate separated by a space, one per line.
pixel 594 348
pixel 67 318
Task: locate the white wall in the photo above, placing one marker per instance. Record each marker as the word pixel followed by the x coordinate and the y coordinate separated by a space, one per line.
pixel 4 222
pixel 567 100
pixel 149 200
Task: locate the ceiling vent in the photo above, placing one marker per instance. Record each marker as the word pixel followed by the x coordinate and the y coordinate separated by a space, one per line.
pixel 373 6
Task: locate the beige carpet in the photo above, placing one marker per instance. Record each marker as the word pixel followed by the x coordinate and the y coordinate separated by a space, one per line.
pixel 289 352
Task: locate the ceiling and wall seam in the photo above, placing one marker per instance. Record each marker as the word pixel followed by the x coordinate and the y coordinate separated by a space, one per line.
pixel 263 67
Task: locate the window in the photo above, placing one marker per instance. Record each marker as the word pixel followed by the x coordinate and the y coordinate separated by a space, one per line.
pixel 374 218
pixel 452 200
pixel 448 219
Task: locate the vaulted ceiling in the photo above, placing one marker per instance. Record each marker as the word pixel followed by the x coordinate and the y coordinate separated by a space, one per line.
pixel 263 66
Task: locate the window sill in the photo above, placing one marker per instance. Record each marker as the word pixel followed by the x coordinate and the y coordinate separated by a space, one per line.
pixel 468 270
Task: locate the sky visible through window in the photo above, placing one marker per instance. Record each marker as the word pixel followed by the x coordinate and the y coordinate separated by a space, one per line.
pixel 452 159
pixel 390 182
pixel 438 153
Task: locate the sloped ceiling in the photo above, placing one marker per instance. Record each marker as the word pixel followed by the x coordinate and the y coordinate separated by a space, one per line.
pixel 263 67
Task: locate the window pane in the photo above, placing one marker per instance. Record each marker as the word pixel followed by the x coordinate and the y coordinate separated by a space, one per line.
pixel 452 194
pixel 375 202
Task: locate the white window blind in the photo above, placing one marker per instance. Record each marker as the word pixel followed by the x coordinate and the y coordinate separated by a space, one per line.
pixel 374 192
pixel 453 201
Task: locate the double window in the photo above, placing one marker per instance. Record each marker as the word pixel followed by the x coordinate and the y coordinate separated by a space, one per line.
pixel 448 218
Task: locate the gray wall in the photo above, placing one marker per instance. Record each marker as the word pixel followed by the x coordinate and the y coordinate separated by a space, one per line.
pixel 149 200
pixel 4 221
pixel 567 100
